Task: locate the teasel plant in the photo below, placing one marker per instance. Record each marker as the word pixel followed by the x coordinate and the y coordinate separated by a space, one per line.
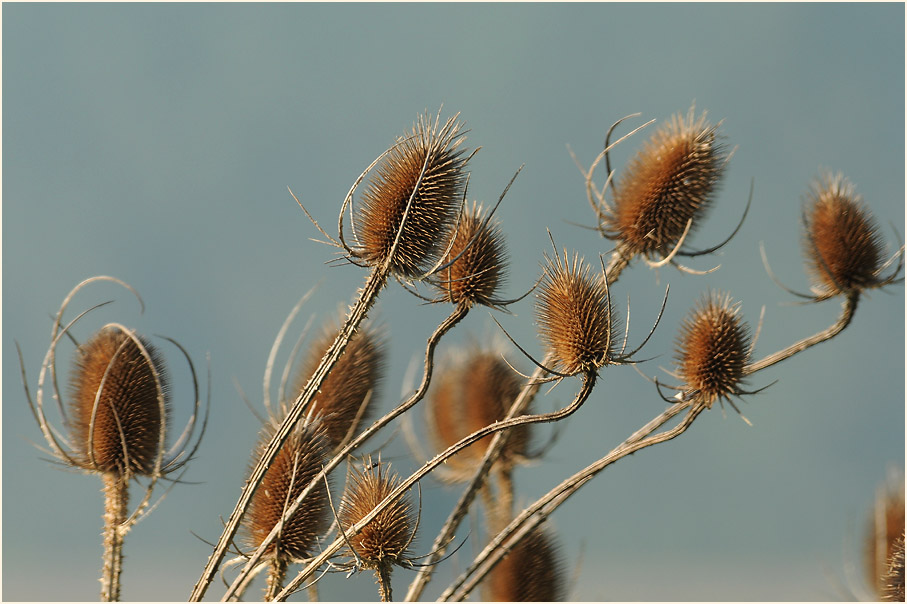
pixel 116 422
pixel 884 541
pixel 533 571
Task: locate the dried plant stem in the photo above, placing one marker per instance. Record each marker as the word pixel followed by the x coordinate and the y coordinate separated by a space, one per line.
pixel 367 296
pixel 455 317
pixel 116 501
pixel 383 574
pixel 589 380
pixel 535 514
pixel 849 307
pixel 277 572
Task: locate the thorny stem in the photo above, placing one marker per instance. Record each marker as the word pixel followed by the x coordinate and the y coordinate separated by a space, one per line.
pixel 588 383
pixel 383 574
pixel 535 514
pixel 277 572
pixel 849 307
pixel 116 501
pixel 455 317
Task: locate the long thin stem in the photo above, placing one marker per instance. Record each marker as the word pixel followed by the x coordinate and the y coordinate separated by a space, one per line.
pixel 277 572
pixel 116 501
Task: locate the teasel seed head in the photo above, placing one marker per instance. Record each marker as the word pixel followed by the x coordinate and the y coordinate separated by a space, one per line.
pixel 531 572
pixel 435 202
pixel 387 538
pixel 884 544
pixel 300 459
pixel 893 590
pixel 574 316
pixel 357 375
pixel 842 243
pixel 713 348
pixel 119 403
pixel 479 260
pixel 669 182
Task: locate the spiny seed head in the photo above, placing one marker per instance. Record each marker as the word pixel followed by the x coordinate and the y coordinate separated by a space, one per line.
pixel 842 244
pixel 479 271
pixel 298 462
pixel 885 538
pixel 574 316
pixel 357 374
pixel 713 348
pixel 531 572
pixel 893 589
pixel 119 403
pixel 386 539
pixel 670 181
pixel 472 393
pixel 434 200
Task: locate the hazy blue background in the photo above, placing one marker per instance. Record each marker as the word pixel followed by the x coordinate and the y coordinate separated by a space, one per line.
pixel 155 143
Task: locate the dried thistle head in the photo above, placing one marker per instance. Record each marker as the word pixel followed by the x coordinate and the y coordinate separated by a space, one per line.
pixel 574 316
pixel 713 348
pixel 671 181
pixel 352 383
pixel 387 538
pixel 531 572
pixel 119 403
pixel 476 250
pixel 841 241
pixel 885 539
pixel 427 167
pixel 300 459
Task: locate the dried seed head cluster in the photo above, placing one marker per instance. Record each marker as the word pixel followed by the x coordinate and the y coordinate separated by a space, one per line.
pixel 842 244
pixel 531 572
pixel 478 256
pixel 352 383
pixel 471 393
pixel 884 545
pixel 574 316
pixel 713 348
pixel 298 462
pixel 669 182
pixel 119 403
pixel 436 192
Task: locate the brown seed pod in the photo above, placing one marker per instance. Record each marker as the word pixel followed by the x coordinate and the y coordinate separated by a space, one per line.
pixel 479 260
pixel 669 182
pixel 531 572
pixel 713 348
pixel 842 244
pixel 435 199
pixel 884 536
pixel 119 403
pixel 574 316
pixel 300 459
pixel 893 590
pixel 356 375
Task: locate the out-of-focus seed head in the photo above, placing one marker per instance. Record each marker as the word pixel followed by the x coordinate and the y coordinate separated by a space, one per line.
pixel 884 541
pixel 387 538
pixel 893 590
pixel 471 393
pixel 531 572
pixel 298 462
pixel 435 200
pixel 574 316
pixel 119 403
pixel 842 244
pixel 357 375
pixel 479 268
pixel 713 348
pixel 669 182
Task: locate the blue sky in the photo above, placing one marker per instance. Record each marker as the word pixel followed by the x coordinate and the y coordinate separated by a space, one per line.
pixel 156 142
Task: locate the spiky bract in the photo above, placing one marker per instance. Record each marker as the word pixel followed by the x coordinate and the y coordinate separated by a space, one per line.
pixel 841 242
pixel 574 316
pixel 884 544
pixel 479 268
pixel 713 348
pixel 356 375
pixel 531 572
pixel 669 182
pixel 435 199
pixel 300 459
pixel 119 403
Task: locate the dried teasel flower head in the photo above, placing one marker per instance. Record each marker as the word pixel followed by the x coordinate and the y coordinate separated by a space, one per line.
pixel 119 404
pixel 893 589
pixel 477 261
pixel 349 392
pixel 428 168
pixel 670 182
pixel 300 459
pixel 712 349
pixel 841 242
pixel 885 539
pixel 531 572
